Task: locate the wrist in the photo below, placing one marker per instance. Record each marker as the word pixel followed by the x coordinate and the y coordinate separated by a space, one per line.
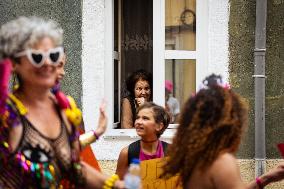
pixel 88 138
pixel 111 182
pixel 262 181
pixel 96 134
pixel 117 184
pixel 259 183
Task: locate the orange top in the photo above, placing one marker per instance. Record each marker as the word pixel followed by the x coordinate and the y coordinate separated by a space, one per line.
pixel 88 156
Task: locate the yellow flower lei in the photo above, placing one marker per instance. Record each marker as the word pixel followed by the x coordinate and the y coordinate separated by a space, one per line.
pixel 73 113
pixel 20 106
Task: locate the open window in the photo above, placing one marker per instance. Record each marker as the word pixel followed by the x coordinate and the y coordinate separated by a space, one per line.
pixel 133 45
pixel 167 38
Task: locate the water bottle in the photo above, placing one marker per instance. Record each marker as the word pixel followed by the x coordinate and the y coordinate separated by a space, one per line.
pixel 132 179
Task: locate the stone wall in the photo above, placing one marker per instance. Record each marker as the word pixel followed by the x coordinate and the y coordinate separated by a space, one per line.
pixel 241 69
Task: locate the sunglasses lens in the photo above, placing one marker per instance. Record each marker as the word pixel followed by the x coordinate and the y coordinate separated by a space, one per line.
pixel 37 58
pixel 54 56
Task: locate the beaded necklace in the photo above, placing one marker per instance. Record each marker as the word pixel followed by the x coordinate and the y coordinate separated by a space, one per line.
pixel 44 173
pixel 11 110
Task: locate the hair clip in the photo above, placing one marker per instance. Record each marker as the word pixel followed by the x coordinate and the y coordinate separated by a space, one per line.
pixel 226 86
pixel 213 80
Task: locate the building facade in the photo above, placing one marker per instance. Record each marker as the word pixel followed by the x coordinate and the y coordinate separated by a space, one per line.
pixel 178 40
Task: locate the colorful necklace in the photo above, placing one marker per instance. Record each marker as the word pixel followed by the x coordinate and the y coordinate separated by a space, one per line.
pixel 20 106
pixel 42 172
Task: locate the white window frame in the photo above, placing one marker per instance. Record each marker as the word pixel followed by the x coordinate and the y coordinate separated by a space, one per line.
pixel 159 57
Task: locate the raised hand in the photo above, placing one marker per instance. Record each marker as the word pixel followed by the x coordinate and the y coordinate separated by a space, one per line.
pixel 102 123
pixel 140 101
pixel 276 174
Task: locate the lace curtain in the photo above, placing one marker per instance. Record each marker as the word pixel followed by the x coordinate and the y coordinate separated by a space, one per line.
pixel 137 38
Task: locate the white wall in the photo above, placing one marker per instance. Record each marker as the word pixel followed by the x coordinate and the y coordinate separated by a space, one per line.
pixel 96 72
pixel 219 37
pixel 92 59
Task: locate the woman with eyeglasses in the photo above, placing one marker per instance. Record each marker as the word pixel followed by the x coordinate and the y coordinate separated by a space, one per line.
pixel 139 87
pixel 39 140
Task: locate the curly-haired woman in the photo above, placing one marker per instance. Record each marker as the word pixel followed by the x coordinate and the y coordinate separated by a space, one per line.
pixel 203 151
pixel 139 86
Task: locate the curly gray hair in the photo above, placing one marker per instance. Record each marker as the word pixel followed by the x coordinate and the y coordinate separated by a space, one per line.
pixel 24 32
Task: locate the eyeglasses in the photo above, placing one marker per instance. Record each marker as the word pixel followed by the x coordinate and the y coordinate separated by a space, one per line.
pixel 37 57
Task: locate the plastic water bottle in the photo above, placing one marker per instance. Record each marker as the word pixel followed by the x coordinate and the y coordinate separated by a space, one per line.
pixel 132 179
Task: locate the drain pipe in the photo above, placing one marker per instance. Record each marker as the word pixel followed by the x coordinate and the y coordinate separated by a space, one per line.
pixel 259 86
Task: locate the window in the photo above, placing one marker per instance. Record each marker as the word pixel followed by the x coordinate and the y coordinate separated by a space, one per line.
pixel 133 34
pixel 180 39
pixel 174 46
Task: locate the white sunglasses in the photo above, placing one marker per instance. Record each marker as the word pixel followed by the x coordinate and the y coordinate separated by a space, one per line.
pixel 37 57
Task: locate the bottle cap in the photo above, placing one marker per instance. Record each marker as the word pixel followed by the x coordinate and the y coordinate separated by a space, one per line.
pixel 135 161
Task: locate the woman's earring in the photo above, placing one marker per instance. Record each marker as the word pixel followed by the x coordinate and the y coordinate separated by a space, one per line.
pixel 16 83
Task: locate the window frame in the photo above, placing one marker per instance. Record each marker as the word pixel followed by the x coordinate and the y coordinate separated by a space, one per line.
pixel 159 57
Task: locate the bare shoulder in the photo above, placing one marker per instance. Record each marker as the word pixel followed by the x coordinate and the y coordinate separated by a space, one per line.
pixel 224 167
pixel 125 102
pixel 224 164
pixel 122 163
pixel 225 158
pixel 123 156
pixel 124 151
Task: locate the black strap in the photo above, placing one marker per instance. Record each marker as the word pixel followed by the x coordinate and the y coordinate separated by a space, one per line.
pixel 165 146
pixel 133 151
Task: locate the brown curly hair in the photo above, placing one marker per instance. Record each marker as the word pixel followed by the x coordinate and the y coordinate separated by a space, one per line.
pixel 211 122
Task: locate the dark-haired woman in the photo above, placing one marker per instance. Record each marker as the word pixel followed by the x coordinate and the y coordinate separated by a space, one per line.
pixel 203 151
pixel 151 121
pixel 139 86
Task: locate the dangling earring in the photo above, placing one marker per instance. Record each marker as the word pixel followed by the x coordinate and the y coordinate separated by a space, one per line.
pixel 15 82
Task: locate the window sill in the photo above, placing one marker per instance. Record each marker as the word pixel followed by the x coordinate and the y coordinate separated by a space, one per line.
pixel 114 134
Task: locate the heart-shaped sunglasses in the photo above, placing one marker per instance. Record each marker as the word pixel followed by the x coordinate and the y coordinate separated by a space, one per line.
pixel 37 57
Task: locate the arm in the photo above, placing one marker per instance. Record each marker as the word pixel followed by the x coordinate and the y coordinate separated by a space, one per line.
pixel 122 163
pixel 177 107
pixel 102 124
pixel 92 136
pixel 95 179
pixel 226 174
pixel 274 175
pixel 176 110
pixel 126 115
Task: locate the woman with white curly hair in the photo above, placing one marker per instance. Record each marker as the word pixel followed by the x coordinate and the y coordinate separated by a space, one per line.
pixel 39 140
